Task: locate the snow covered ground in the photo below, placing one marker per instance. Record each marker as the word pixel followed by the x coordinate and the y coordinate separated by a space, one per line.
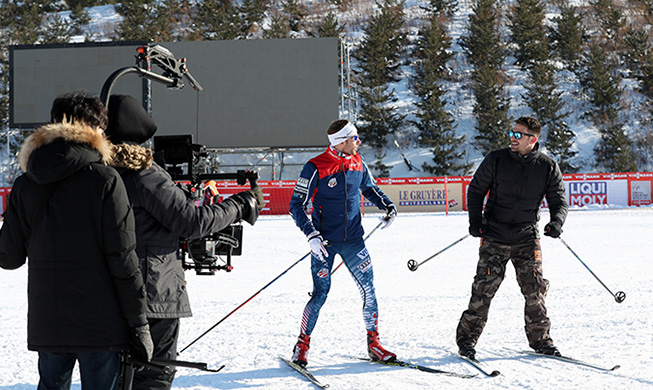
pixel 419 311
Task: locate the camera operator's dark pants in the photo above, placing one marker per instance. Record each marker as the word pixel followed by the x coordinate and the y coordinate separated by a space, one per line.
pixel 493 256
pixel 98 370
pixel 165 333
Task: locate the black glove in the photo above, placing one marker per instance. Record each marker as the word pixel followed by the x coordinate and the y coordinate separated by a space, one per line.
pixel 390 214
pixel 477 229
pixel 258 194
pixel 248 205
pixel 553 229
pixel 142 346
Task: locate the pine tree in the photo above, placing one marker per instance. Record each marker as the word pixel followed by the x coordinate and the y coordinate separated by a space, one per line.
pixel 435 125
pixel 526 23
pixel 218 20
pixel 379 59
pixel 22 21
pixel 639 57
pixel 253 12
pixel 380 53
pixel 279 27
pixel 138 23
pixel 610 17
pixel 446 8
pixel 296 12
pixel 377 117
pixel 548 106
pixel 485 53
pixel 329 26
pixel 614 151
pixel 56 29
pixel 568 36
pixel 490 109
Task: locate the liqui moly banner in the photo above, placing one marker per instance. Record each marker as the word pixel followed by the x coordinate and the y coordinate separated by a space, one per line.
pixel 599 189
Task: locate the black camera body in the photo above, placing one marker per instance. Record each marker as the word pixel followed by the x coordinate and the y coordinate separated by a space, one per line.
pixel 184 161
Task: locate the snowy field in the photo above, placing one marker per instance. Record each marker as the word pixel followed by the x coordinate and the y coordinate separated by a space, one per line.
pixel 419 311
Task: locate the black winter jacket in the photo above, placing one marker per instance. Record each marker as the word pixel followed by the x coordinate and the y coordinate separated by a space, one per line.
pixel 163 214
pixel 516 185
pixel 69 214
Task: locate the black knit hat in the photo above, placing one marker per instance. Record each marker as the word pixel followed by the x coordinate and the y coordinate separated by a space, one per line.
pixel 128 121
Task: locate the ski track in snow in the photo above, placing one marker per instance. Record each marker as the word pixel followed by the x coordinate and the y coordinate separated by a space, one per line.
pixel 419 311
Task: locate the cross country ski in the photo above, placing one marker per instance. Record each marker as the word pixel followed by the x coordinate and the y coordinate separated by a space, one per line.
pixel 307 374
pixel 478 365
pixel 568 359
pixel 399 363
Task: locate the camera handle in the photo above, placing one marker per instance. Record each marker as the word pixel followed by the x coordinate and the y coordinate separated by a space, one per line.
pixel 240 176
pixel 108 84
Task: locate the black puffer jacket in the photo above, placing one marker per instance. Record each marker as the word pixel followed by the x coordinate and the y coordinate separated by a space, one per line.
pixel 162 215
pixel 84 285
pixel 517 186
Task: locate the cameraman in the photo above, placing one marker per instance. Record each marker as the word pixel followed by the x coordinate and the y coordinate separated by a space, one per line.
pixel 163 213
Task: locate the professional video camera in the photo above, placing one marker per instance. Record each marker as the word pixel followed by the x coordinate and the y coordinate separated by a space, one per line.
pixel 185 162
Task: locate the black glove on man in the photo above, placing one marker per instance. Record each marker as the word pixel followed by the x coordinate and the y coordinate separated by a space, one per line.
pixel 553 229
pixel 477 229
pixel 251 202
pixel 141 343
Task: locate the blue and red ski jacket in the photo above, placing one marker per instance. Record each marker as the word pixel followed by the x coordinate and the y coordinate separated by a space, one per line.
pixel 330 185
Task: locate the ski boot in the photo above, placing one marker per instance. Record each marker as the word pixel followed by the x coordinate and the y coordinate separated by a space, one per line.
pixel 376 351
pixel 549 349
pixel 300 352
pixel 467 351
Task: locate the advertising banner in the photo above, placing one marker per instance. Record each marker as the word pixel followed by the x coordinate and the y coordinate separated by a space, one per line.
pixel 444 194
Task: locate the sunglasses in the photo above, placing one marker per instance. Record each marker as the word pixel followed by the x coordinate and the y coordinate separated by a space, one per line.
pixel 355 138
pixel 518 134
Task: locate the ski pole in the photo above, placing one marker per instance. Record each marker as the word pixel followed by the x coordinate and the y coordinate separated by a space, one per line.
pixel 244 303
pixel 413 265
pixel 619 296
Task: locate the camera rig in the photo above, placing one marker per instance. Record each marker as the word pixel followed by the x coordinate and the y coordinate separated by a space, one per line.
pixel 174 153
pixel 183 161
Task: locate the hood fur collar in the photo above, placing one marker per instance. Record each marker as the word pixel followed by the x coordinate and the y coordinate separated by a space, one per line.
pixel 73 132
pixel 131 157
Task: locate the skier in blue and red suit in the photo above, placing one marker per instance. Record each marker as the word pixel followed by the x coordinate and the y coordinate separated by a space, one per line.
pixel 328 189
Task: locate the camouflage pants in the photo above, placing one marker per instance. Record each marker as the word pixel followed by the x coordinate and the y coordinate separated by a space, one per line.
pixel 493 258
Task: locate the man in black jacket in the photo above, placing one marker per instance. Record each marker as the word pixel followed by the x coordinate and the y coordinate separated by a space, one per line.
pixel 163 214
pixel 517 180
pixel 69 214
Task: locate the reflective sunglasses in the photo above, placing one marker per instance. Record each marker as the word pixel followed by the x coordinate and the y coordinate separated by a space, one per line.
pixel 518 134
pixel 355 138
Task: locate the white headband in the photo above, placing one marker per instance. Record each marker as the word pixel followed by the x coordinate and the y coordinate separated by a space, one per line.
pixel 343 134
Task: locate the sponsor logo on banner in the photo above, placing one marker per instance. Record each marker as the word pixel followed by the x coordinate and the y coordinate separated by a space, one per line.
pixel 419 197
pixel 640 192
pixel 588 192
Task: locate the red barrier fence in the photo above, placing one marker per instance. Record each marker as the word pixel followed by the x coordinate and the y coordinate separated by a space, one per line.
pixel 438 194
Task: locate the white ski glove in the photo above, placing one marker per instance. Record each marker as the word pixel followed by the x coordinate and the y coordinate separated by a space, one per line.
pixel 389 217
pixel 318 245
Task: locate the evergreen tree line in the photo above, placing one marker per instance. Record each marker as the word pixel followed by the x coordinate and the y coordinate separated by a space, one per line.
pixel 600 45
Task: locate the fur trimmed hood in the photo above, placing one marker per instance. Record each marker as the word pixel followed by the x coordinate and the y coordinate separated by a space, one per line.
pixel 58 150
pixel 71 132
pixel 130 157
